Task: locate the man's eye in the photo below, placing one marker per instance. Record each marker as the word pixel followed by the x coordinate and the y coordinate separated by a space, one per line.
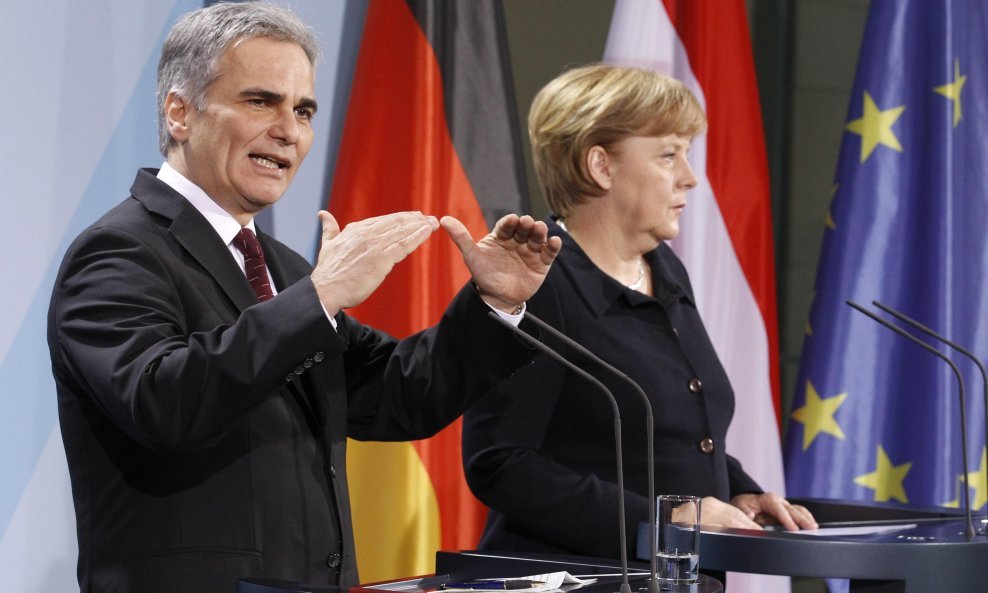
pixel 305 114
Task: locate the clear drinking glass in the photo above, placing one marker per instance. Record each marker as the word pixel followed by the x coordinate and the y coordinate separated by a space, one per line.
pixel 678 541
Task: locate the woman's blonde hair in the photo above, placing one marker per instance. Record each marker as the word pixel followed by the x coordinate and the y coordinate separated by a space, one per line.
pixel 599 105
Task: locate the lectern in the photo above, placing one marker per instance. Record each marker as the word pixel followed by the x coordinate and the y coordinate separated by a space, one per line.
pixel 887 549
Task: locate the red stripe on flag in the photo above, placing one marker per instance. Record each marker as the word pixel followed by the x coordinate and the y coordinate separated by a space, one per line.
pixel 715 35
pixel 396 154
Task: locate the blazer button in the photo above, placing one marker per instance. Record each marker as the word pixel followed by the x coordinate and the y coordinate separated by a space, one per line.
pixel 308 363
pixel 334 561
pixel 332 471
pixel 707 445
pixel 299 370
pixel 696 386
pixel 675 332
pixel 289 377
pixel 318 357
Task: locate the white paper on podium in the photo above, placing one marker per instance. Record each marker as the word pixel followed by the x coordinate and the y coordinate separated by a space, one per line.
pixel 858 529
pixel 549 582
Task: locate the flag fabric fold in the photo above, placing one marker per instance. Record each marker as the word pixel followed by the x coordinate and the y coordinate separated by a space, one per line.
pixel 875 417
pixel 430 126
pixel 726 231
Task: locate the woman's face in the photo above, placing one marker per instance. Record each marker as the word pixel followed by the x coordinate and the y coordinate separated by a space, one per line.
pixel 649 178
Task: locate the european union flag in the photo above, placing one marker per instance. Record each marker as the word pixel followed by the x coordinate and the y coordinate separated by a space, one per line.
pixel 876 418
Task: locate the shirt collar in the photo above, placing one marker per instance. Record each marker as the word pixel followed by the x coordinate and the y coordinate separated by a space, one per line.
pixel 600 291
pixel 225 225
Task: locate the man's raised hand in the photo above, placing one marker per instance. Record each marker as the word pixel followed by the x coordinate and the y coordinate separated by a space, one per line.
pixel 508 264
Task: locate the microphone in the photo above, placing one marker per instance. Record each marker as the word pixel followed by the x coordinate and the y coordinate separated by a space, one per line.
pixel 625 587
pixel 653 583
pixel 969 528
pixel 928 331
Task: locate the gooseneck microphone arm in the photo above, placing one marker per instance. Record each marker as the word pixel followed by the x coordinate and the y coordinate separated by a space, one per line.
pixel 653 583
pixel 969 528
pixel 625 586
pixel 926 330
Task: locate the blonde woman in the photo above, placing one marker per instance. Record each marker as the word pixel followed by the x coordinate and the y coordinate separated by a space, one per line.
pixel 610 149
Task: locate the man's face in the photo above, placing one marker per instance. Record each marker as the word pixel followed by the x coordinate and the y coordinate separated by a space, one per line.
pixel 244 148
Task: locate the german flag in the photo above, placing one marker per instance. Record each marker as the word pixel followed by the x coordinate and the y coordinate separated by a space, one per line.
pixel 430 126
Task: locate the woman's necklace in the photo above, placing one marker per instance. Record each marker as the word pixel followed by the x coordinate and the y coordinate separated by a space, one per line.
pixel 641 276
pixel 641 266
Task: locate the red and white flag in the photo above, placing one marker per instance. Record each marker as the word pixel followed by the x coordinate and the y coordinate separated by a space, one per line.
pixel 725 239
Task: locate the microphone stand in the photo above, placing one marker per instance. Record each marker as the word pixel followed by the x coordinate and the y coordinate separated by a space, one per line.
pixel 625 586
pixel 653 583
pixel 926 330
pixel 969 528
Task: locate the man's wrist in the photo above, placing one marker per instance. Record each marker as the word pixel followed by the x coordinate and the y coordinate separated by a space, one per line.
pixel 498 304
pixel 326 298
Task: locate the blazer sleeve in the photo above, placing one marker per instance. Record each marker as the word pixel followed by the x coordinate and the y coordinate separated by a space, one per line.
pixel 412 389
pixel 172 370
pixel 740 481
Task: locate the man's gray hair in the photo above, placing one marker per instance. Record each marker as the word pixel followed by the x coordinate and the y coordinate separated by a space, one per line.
pixel 192 50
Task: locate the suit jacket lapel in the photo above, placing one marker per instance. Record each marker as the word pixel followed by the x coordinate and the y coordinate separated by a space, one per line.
pixel 196 236
pixel 283 274
pixel 200 240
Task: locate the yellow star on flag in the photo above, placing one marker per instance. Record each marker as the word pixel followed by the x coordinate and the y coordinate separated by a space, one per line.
pixel 817 415
pixel 976 480
pixel 953 90
pixel 875 127
pixel 956 503
pixel 887 479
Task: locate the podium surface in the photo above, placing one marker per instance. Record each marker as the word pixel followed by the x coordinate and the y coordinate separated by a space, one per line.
pixel 458 566
pixel 475 564
pixel 881 549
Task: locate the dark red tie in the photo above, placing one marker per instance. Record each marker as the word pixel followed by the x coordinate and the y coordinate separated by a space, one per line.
pixel 257 272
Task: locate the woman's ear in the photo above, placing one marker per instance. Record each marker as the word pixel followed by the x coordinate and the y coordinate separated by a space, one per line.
pixel 599 165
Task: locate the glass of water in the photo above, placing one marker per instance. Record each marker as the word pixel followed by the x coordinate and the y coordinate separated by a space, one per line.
pixel 678 541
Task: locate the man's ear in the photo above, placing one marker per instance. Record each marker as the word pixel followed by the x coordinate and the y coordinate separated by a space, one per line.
pixel 600 166
pixel 177 112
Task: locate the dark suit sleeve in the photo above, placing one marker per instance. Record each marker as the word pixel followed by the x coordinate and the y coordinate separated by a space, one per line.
pixel 414 389
pixel 172 371
pixel 740 481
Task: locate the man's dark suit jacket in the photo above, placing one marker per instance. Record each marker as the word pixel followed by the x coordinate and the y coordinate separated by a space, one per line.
pixel 205 432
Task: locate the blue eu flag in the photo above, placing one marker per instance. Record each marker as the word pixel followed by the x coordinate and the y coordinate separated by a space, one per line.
pixel 874 417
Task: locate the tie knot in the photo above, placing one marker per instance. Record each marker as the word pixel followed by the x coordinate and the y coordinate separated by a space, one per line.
pixel 247 243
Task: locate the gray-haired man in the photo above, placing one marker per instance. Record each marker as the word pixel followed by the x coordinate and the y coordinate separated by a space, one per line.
pixel 207 376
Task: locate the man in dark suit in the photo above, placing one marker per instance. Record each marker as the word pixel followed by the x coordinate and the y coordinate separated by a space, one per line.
pixel 207 382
